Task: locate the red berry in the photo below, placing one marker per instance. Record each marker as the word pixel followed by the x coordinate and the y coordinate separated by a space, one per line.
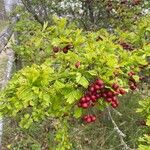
pixel 87 98
pixel 77 65
pixel 122 91
pixel 114 98
pixel 110 94
pixel 98 96
pixel 92 89
pixel 102 86
pixel 65 50
pixel 133 87
pixel 104 94
pixel 93 97
pixel 114 105
pixel 99 82
pixel 97 87
pixel 115 86
pixel 93 118
pixel 108 99
pixel 89 120
pixel 83 99
pixel 131 73
pixel 84 105
pixel 85 117
pixel 56 49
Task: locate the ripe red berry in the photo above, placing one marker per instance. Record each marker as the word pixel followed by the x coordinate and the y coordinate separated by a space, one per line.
pixel 102 86
pixel 83 99
pixel 87 98
pixel 110 94
pixel 122 91
pixel 108 99
pixel 85 117
pixel 114 105
pixel 89 120
pixel 115 86
pixel 104 94
pixel 131 73
pixel 84 105
pixel 65 50
pixel 93 97
pixel 98 96
pixel 133 87
pixel 77 65
pixel 97 87
pixel 93 118
pixel 56 49
pixel 114 98
pixel 99 82
pixel 92 89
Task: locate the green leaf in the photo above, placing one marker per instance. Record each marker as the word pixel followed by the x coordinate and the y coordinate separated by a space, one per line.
pixel 82 80
pixel 58 85
pixel 148 121
pixel 77 112
pixel 136 78
pixel 45 26
pixel 92 72
pixel 73 96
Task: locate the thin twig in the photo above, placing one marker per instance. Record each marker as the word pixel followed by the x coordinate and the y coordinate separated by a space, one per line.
pixel 119 132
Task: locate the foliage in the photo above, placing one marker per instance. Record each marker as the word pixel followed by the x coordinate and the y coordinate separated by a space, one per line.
pixel 36 42
pixel 54 85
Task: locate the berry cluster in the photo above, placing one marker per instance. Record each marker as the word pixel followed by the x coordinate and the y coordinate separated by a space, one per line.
pixel 98 90
pixel 89 118
pixel 65 49
pixel 132 82
pixel 111 96
pixel 92 94
pixel 126 46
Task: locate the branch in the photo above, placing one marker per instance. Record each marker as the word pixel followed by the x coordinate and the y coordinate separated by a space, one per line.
pixel 119 132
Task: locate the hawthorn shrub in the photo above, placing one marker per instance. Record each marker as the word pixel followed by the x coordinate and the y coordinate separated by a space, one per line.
pixel 70 72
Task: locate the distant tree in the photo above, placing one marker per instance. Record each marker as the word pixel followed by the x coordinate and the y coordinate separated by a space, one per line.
pixel 90 14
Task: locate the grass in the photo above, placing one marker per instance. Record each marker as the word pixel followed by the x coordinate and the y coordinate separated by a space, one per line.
pixel 97 136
